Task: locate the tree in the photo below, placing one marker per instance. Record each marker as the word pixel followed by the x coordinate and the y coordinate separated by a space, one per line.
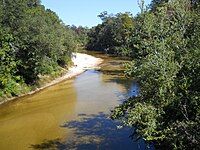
pixel 34 41
pixel 10 83
pixel 167 110
pixel 113 35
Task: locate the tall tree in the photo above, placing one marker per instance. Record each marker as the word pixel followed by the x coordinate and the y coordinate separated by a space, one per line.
pixel 167 110
pixel 39 43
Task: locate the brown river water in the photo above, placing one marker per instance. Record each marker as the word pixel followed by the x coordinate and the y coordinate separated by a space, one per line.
pixel 73 114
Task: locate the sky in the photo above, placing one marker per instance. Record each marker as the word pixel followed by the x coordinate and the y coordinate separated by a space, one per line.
pixel 85 12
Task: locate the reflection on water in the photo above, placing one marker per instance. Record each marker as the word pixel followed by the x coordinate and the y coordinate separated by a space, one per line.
pixel 70 115
pixel 97 92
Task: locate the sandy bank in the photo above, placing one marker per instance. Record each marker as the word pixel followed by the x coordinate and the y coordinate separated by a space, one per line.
pixel 81 63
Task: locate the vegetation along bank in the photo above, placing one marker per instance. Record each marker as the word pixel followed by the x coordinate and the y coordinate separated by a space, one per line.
pixel 163 42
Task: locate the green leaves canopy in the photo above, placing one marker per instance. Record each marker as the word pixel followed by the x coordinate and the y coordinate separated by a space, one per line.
pixel 166 64
pixel 33 41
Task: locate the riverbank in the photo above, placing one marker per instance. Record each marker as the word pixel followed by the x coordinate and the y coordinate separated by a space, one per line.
pixel 68 112
pixel 81 62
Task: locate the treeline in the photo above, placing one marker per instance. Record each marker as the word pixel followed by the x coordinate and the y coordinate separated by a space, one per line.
pixel 81 35
pixel 33 42
pixel 113 36
pixel 164 44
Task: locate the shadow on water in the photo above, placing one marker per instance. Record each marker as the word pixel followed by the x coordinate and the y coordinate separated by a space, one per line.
pixel 95 132
pixel 98 131
pixel 50 144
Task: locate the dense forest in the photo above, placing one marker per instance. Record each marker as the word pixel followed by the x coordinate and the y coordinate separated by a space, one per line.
pixel 164 44
pixel 33 42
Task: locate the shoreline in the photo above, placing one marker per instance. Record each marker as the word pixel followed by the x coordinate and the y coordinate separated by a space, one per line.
pixel 81 61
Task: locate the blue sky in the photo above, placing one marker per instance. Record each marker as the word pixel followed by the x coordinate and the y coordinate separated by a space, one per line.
pixel 84 12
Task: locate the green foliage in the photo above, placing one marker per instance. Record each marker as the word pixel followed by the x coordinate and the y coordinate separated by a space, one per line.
pixel 81 34
pixel 10 83
pixel 34 42
pixel 166 64
pixel 113 35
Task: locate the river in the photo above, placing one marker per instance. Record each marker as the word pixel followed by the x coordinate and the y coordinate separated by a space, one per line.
pixel 73 114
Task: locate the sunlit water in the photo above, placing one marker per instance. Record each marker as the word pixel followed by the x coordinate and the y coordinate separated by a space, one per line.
pixel 73 114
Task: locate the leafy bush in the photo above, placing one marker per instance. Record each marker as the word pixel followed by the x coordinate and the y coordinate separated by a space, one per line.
pixel 33 41
pixel 167 67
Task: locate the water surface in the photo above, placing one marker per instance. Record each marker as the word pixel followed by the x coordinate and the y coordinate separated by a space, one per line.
pixel 73 114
